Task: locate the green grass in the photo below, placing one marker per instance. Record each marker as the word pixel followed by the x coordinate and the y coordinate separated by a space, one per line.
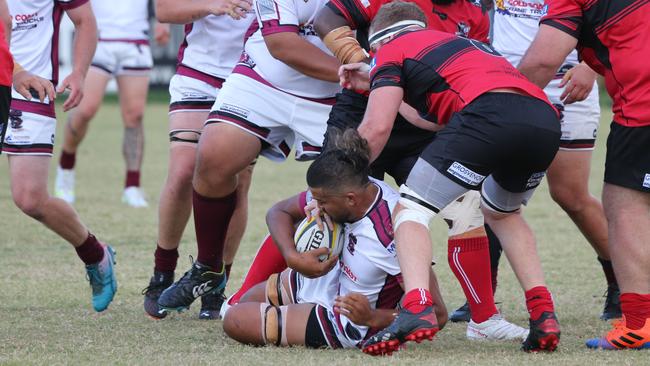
pixel 46 317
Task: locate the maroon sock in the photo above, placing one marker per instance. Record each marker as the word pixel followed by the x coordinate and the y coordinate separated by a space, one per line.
pixel 636 308
pixel 267 261
pixel 539 300
pixel 228 267
pixel 67 160
pixel 91 251
pixel 417 300
pixel 609 272
pixel 211 219
pixel 132 178
pixel 165 259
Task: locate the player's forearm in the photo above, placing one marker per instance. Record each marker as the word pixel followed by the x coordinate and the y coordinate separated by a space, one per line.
pixel 280 220
pixel 546 54
pixel 413 117
pixel 305 58
pixel 376 135
pixel 182 12
pixel 84 44
pixel 538 72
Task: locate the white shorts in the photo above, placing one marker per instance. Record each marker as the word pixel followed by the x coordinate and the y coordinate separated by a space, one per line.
pixel 31 129
pixel 192 91
pixel 123 57
pixel 579 122
pixel 278 118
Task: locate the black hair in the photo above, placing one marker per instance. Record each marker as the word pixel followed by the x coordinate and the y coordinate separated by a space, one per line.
pixel 345 163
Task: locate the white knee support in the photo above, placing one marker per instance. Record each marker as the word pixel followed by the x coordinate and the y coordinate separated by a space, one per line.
pixel 464 213
pixel 413 208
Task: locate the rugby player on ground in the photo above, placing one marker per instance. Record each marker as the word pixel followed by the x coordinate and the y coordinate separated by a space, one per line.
pixel 30 135
pixel 359 295
pixel 501 134
pixel 612 38
pixel 213 44
pixel 122 52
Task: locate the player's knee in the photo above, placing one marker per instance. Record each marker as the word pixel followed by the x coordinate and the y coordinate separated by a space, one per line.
pixel 412 209
pixel 180 174
pixel 29 202
pixel 232 322
pixel 492 216
pixel 571 199
pixel 133 116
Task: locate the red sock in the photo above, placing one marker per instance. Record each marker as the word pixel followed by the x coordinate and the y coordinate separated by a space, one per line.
pixel 417 300
pixel 91 251
pixel 636 308
pixel 67 160
pixel 228 267
pixel 469 259
pixel 538 300
pixel 165 259
pixel 211 219
pixel 267 261
pixel 132 178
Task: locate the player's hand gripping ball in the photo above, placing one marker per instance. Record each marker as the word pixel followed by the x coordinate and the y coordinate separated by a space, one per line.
pixel 309 236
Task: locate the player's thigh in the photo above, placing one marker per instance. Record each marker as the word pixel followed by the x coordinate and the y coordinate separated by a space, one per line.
pixel 28 177
pixel 133 91
pixel 569 172
pixel 94 90
pixel 225 150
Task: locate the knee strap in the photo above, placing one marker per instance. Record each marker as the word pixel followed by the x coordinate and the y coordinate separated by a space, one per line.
pixel 274 290
pixel 182 135
pixel 273 325
pixel 414 208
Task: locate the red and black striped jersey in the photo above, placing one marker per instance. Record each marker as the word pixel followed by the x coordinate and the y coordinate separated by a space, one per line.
pixel 614 40
pixel 442 73
pixel 466 18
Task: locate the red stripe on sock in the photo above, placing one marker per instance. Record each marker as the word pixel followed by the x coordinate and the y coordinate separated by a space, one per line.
pixel 267 261
pixel 469 259
pixel 636 308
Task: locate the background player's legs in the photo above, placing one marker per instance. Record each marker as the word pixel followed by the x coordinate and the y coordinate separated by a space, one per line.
pixel 628 215
pixel 133 99
pixel 28 176
pixel 75 131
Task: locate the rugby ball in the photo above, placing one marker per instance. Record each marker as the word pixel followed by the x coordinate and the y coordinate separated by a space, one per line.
pixel 309 236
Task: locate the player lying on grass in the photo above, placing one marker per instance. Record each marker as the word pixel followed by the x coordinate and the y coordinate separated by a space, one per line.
pixel 360 293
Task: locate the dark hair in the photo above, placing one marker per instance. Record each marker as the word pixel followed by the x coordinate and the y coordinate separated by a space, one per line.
pixel 344 163
pixel 394 12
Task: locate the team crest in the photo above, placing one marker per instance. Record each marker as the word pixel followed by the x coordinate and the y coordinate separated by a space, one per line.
pixel 15 116
pixel 352 242
pixel 463 29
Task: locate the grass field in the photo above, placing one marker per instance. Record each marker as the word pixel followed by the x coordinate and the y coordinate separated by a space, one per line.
pixel 46 317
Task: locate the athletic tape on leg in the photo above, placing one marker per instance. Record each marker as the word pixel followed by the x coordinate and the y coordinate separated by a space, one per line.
pixel 463 214
pixel 413 208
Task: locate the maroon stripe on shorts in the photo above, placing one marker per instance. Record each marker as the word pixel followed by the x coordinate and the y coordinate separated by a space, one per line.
pixel 28 149
pixel 327 327
pixel 199 105
pixel 578 144
pixel 221 116
pixel 198 75
pixel 41 109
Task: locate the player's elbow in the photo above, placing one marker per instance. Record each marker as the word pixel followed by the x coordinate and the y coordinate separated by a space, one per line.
pixel 281 52
pixel 164 11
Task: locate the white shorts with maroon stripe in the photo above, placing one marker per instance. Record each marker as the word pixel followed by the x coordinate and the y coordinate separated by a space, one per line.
pixel 121 57
pixel 191 90
pixel 31 128
pixel 579 121
pixel 276 117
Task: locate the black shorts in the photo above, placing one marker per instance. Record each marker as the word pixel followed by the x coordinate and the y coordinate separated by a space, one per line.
pixel 405 144
pixel 512 137
pixel 628 157
pixel 5 102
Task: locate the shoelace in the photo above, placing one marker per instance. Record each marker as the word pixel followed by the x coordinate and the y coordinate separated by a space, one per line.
pixel 92 275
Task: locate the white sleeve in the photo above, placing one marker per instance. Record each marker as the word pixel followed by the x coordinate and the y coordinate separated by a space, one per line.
pixel 277 16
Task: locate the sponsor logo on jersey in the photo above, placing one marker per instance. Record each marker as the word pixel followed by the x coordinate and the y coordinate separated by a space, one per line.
pixel 348 272
pixel 24 22
pixel 463 29
pixel 646 181
pixel 391 248
pixel 521 8
pixel 465 174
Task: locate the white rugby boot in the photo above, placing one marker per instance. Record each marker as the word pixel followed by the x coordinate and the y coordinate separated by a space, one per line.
pixel 64 184
pixel 495 328
pixel 134 197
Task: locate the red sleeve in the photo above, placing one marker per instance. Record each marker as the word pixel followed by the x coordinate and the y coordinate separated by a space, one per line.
pixel 70 4
pixel 6 61
pixel 355 12
pixel 386 67
pixel 565 15
pixel 481 32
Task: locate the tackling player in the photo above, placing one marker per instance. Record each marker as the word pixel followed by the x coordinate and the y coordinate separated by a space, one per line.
pixel 501 134
pixel 122 52
pixel 279 95
pixel 468 248
pixel 30 135
pixel 360 294
pixel 612 38
pixel 213 44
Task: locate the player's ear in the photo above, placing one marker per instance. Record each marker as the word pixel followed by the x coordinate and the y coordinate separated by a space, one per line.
pixel 351 199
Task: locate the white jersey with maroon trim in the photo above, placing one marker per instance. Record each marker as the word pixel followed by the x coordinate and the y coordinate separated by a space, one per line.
pixel 515 25
pixel 122 19
pixel 368 262
pixel 214 44
pixel 294 16
pixel 35 34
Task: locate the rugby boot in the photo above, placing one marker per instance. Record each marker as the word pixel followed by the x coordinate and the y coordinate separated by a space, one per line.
pixel 103 282
pixel 544 334
pixel 196 282
pixel 612 308
pixel 406 326
pixel 158 283
pixel 622 337
pixel 462 314
pixel 496 328
pixel 211 305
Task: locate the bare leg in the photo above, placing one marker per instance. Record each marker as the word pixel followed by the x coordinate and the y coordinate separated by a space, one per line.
pixel 414 251
pixel 133 99
pixel 237 225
